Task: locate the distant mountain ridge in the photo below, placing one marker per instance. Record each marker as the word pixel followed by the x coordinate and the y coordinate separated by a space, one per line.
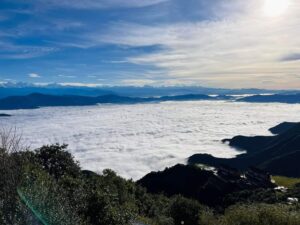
pixel 15 89
pixel 37 100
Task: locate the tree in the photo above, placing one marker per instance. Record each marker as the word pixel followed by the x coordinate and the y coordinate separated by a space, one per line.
pixel 46 199
pixel 185 211
pixel 11 172
pixel 57 161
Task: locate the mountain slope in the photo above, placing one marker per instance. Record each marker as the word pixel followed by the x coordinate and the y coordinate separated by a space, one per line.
pixel 282 127
pixel 279 98
pixel 277 154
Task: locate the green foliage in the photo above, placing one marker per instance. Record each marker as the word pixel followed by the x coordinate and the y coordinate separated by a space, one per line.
pixel 57 161
pixel 254 214
pixel 261 214
pixel 10 172
pixel 185 211
pixel 110 199
pixel 286 181
pixel 46 199
pixel 269 196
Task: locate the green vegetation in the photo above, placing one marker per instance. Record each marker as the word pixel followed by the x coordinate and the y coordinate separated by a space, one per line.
pixel 259 214
pixel 48 187
pixel 288 182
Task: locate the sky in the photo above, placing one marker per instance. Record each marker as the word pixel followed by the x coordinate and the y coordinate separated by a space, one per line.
pixel 213 43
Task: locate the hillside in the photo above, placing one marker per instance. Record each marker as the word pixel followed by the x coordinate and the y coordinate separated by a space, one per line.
pixel 208 187
pixel 282 127
pixel 278 154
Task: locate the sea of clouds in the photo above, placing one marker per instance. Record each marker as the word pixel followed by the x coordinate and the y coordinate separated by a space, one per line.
pixel 136 139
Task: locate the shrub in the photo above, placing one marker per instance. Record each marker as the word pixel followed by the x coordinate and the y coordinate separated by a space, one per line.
pixel 57 161
pixel 261 214
pixel 46 199
pixel 185 211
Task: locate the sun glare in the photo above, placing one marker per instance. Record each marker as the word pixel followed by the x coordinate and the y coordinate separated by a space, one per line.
pixel 274 8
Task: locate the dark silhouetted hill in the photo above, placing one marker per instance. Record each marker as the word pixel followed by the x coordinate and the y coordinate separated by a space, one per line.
pixel 208 187
pixel 4 115
pixel 179 179
pixel 188 181
pixel 278 98
pixel 277 154
pixel 280 128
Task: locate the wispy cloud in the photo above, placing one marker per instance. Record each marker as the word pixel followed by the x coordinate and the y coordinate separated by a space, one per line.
pixel 66 76
pixel 237 50
pixel 79 84
pixel 94 4
pixel 34 75
pixel 16 51
pixel 291 57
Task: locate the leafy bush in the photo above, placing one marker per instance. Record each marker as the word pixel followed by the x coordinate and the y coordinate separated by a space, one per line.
pixel 185 211
pixel 286 181
pixel 57 161
pixel 261 214
pixel 46 199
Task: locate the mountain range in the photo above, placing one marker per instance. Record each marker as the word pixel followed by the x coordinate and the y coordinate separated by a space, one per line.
pixel 13 89
pixel 37 100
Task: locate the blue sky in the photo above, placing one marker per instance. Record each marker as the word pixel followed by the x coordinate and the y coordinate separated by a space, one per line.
pixel 216 43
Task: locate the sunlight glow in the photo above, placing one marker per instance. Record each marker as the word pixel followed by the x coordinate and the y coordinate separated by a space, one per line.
pixel 275 8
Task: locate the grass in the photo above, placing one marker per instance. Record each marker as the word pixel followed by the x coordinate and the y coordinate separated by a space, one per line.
pixel 286 181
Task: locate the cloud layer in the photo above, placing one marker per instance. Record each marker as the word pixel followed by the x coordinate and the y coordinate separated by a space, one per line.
pixel 136 139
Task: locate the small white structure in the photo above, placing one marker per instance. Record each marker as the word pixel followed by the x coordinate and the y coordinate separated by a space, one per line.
pixel 281 188
pixel 292 200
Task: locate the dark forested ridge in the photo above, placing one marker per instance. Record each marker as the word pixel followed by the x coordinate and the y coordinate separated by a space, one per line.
pixel 279 154
pixel 279 98
pixel 209 187
pixel 37 100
